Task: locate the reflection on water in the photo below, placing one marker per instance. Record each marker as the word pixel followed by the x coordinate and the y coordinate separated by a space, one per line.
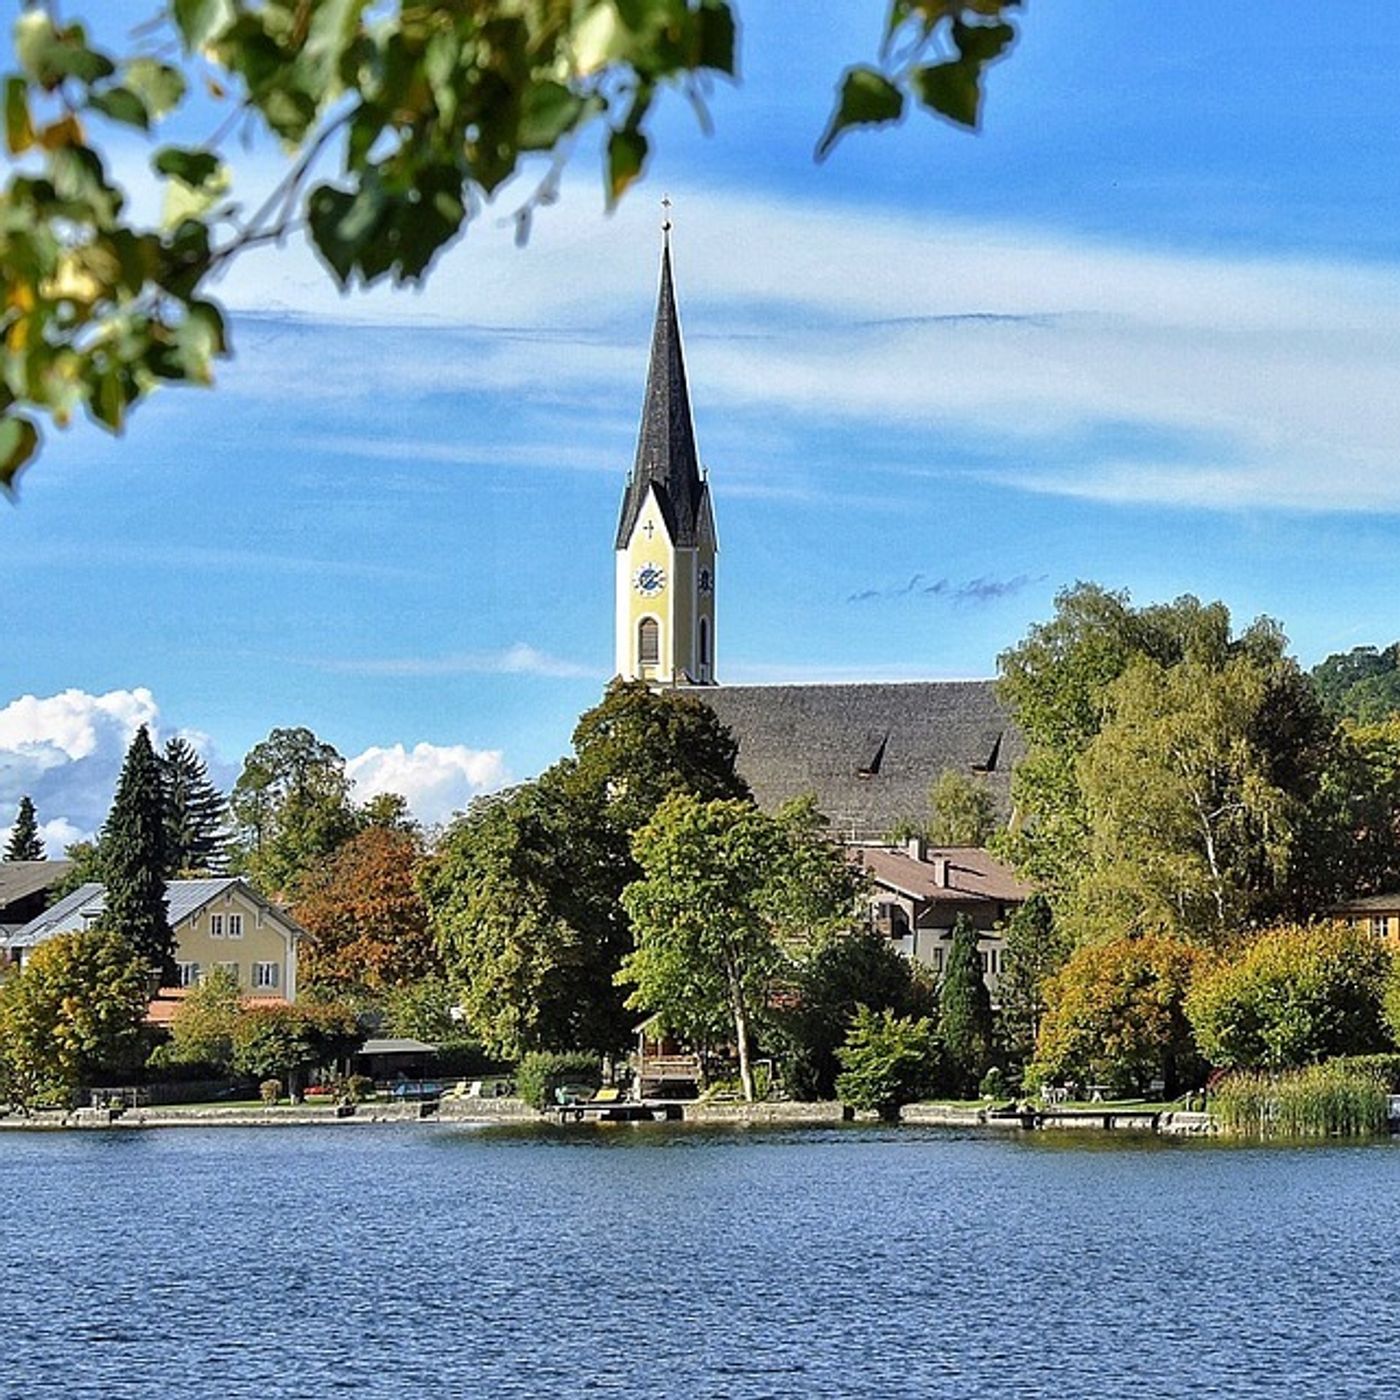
pixel 663 1261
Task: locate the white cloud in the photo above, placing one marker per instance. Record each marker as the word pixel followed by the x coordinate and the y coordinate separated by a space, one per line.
pixel 436 779
pixel 65 751
pixel 1271 378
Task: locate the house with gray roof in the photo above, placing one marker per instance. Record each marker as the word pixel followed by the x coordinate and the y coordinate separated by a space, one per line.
pixel 26 889
pixel 219 923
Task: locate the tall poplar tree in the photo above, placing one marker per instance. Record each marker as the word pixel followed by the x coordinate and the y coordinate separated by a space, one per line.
pixel 24 842
pixel 135 858
pixel 195 811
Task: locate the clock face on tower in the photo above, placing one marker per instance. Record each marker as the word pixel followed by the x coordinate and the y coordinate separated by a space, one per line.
pixel 649 580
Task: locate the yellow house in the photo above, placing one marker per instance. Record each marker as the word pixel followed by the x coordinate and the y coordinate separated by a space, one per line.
pixel 1378 912
pixel 218 923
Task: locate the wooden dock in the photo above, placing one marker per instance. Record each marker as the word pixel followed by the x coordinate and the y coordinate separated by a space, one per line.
pixel 620 1111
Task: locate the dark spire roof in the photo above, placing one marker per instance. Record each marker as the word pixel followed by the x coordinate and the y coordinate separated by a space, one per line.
pixel 666 455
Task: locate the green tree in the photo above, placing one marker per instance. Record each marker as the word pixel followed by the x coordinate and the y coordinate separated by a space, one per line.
pixel 291 809
pixel 1035 951
pixel 24 842
pixel 840 972
pixel 73 1014
pixel 1290 996
pixel 1116 1015
pixel 427 109
pixel 725 892
pixel 195 812
pixel 524 891
pixel 135 859
pixel 1362 684
pixel 203 1027
pixel 86 870
pixel 961 811
pixel 287 1042
pixel 965 1010
pixel 886 1061
pixel 1141 715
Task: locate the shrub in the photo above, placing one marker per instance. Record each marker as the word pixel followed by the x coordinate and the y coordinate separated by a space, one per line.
pixel 994 1085
pixel 1292 995
pixel 270 1090
pixel 542 1071
pixel 358 1088
pixel 1340 1098
pixel 887 1061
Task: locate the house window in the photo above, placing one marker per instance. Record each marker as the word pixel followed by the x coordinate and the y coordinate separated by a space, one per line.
pixel 265 976
pixel 235 925
pixel 230 970
pixel 216 926
pixel 704 641
pixel 938 959
pixel 648 642
pixel 189 973
pixel 1380 925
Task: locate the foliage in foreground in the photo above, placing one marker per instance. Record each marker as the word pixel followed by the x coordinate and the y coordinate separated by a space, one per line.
pixel 397 123
pixel 1339 1098
pixel 1290 996
pixel 887 1061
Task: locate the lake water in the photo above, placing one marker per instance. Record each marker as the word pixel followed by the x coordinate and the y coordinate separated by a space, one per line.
pixel 660 1261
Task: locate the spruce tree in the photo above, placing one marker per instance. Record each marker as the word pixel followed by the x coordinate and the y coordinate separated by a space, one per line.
pixel 135 858
pixel 24 843
pixel 1035 951
pixel 194 812
pixel 965 1009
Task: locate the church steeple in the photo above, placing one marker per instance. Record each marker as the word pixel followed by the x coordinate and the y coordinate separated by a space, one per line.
pixel 666 455
pixel 665 542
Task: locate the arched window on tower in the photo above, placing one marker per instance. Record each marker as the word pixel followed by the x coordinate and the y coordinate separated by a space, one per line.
pixel 648 642
pixel 704 642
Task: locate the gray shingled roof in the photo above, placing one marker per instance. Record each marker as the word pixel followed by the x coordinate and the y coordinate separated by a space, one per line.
pixel 666 456
pixel 21 878
pixel 80 909
pixel 870 752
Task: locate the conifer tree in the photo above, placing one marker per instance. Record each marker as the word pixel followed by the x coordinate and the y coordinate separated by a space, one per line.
pixel 965 1009
pixel 135 858
pixel 194 812
pixel 24 843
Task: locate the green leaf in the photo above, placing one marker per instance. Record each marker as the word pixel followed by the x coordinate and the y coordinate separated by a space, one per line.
pixel 716 35
pixel 34 32
pixel 326 211
pixel 19 440
pixel 332 28
pixel 195 168
pixel 627 152
pixel 121 105
pixel 158 85
pixel 867 98
pixel 547 112
pixel 950 89
pixel 981 43
pixel 201 21
pixel 19 130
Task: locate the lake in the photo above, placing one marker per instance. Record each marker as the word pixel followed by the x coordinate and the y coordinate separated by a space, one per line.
pixel 662 1261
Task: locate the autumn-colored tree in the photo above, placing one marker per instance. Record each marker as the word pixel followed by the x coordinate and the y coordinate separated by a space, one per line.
pixel 1115 1014
pixel 367 921
pixel 1291 996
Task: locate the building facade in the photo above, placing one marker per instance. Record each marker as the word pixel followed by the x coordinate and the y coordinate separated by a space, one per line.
pixel 666 543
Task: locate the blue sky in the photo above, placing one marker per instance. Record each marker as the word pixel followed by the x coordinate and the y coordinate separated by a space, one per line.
pixel 1142 329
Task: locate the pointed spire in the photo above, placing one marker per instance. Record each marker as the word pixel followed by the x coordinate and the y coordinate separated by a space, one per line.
pixel 666 455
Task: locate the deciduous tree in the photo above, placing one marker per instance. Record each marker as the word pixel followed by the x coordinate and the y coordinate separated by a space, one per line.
pixel 24 842
pixel 1035 950
pixel 73 1014
pixel 1115 1015
pixel 366 918
pixel 961 811
pixel 1292 995
pixel 286 1042
pixel 887 1061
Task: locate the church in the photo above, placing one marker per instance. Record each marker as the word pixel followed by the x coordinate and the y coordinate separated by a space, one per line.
pixel 870 752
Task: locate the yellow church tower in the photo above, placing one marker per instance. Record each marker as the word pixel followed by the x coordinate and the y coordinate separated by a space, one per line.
pixel 666 541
